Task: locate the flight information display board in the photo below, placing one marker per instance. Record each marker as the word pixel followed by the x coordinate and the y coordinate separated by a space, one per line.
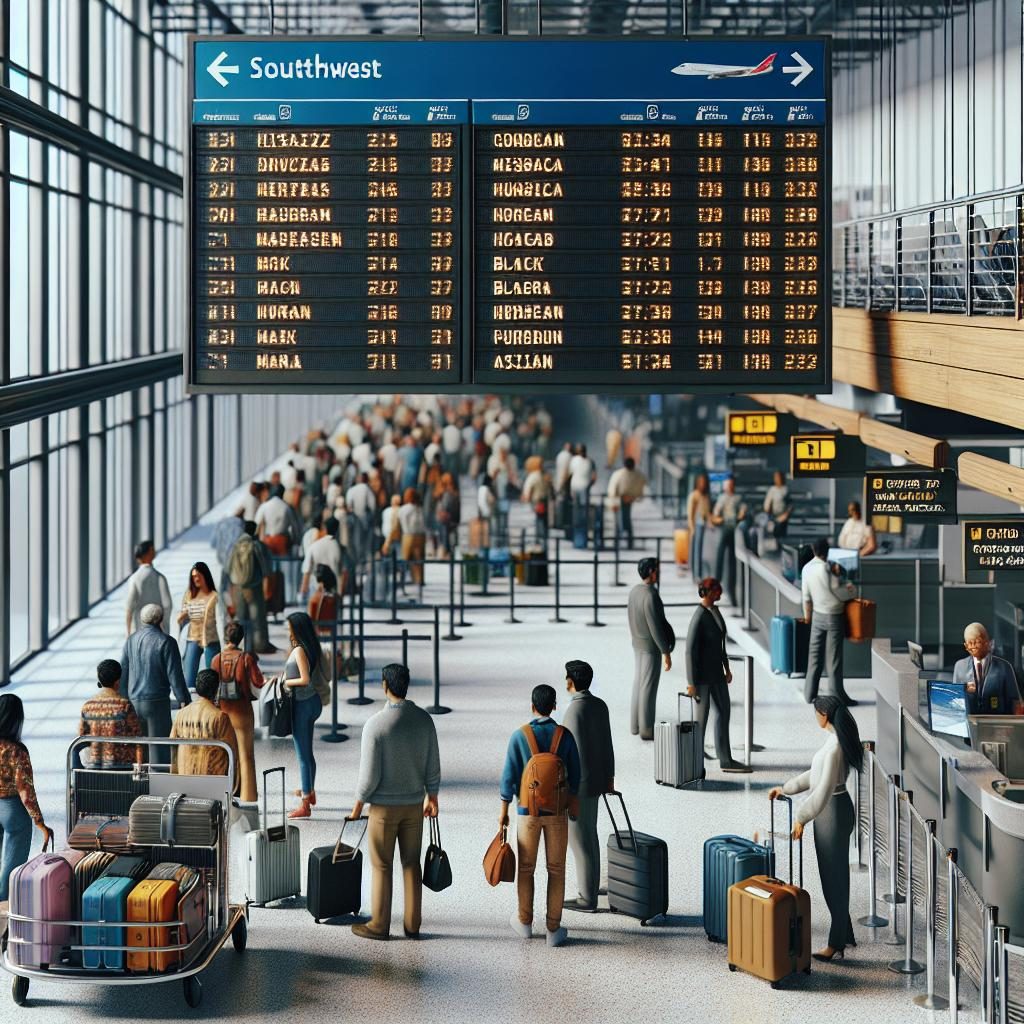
pixel 493 214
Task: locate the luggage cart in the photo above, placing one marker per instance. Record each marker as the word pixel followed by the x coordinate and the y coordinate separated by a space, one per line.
pixel 110 792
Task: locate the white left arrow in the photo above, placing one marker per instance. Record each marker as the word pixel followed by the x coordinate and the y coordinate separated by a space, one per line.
pixel 218 69
pixel 801 69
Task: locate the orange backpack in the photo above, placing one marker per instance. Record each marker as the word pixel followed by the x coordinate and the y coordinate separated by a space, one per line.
pixel 542 789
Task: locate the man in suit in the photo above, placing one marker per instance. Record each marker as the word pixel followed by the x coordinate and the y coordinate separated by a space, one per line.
pixel 587 719
pixel 991 683
pixel 653 643
pixel 707 670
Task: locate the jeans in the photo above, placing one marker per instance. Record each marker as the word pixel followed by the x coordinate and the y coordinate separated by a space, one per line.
pixel 555 828
pixel 193 655
pixel 16 836
pixel 581 509
pixel 155 716
pixel 697 551
pixel 388 826
pixel 304 716
pixel 626 523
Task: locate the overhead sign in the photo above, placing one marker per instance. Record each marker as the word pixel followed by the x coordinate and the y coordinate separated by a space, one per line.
pixel 825 455
pixel 757 429
pixel 629 214
pixel 993 545
pixel 915 494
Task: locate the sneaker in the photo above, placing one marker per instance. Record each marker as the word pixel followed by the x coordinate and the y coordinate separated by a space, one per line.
pixel 524 931
pixel 558 936
pixel 737 767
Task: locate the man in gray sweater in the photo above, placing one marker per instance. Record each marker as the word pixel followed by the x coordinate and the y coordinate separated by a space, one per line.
pixel 653 643
pixel 586 718
pixel 399 776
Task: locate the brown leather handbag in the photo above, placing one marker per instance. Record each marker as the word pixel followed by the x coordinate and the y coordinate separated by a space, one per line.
pixel 860 619
pixel 500 860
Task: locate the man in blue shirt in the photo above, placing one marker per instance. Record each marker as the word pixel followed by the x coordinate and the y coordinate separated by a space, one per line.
pixel 548 786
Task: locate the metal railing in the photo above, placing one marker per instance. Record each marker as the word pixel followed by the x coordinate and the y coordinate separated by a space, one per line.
pixel 959 257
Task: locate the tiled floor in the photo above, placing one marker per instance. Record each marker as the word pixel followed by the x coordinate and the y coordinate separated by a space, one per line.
pixel 472 968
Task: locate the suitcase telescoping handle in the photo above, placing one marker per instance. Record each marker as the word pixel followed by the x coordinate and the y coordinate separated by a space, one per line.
pixel 347 851
pixel 278 832
pixel 629 824
pixel 698 748
pixel 789 803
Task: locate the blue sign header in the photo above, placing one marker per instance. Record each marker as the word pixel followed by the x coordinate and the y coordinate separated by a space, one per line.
pixel 227 70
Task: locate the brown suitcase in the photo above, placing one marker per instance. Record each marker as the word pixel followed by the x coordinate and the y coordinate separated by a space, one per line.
pixel 860 619
pixel 769 922
pixel 273 592
pixel 682 546
pixel 100 832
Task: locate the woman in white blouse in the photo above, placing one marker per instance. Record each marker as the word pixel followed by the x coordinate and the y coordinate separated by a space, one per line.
pixel 829 806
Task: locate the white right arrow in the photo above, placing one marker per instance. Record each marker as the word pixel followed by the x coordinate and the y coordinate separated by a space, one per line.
pixel 801 69
pixel 218 69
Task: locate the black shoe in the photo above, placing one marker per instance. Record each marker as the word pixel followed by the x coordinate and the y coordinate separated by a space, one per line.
pixel 411 935
pixel 269 649
pixel 577 904
pixel 736 767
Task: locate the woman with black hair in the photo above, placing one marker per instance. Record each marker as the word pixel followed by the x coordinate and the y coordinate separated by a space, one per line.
pixel 199 610
pixel 300 673
pixel 19 809
pixel 828 804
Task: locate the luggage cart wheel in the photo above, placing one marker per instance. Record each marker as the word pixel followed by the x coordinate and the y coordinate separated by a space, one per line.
pixel 19 990
pixel 240 935
pixel 732 967
pixel 643 924
pixel 193 991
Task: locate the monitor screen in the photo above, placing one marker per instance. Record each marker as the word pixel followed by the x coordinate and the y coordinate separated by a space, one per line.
pixel 1001 739
pixel 716 480
pixel 947 708
pixel 847 558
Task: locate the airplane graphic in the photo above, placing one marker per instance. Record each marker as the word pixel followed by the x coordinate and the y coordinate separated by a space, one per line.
pixel 726 70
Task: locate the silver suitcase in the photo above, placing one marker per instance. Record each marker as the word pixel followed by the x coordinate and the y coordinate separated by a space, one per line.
pixel 273 855
pixel 678 750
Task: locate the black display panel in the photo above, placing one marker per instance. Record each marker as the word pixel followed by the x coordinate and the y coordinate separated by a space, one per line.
pixel 333 253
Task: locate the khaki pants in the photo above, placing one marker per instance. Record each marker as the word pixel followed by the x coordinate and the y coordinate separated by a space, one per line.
pixel 243 721
pixel 414 546
pixel 387 826
pixel 555 828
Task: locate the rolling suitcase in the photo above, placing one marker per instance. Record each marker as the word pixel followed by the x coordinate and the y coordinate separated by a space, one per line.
pixel 498 560
pixel 681 540
pixel 334 876
pixel 86 871
pixel 155 899
pixel 637 870
pixel 472 569
pixel 128 867
pixel 860 619
pixel 789 641
pixel 175 820
pixel 273 592
pixel 678 750
pixel 579 537
pixel 536 567
pixel 41 888
pixel 105 900
pixel 728 860
pixel 273 865
pixel 770 922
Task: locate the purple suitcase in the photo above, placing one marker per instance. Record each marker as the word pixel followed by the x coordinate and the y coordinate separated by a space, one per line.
pixel 42 889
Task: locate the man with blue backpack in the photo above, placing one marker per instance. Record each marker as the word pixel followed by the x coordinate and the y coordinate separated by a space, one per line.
pixel 542 769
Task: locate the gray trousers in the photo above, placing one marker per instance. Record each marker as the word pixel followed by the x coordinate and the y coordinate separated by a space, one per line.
pixel 586 850
pixel 251 610
pixel 646 675
pixel 155 717
pixel 717 694
pixel 826 644
pixel 832 831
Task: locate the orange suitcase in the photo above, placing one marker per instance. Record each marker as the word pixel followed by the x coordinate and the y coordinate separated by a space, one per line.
pixel 860 619
pixel 153 900
pixel 769 922
pixel 682 543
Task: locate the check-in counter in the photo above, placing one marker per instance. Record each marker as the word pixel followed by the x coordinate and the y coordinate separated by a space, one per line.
pixel 903 584
pixel 952 784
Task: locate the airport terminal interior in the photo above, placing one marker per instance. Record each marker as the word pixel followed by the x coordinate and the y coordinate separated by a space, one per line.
pixel 511 510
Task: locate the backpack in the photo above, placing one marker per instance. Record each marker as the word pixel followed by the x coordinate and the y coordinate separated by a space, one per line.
pixel 542 789
pixel 231 686
pixel 242 562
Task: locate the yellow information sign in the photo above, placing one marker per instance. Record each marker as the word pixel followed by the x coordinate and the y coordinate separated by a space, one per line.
pixel 749 429
pixel 825 455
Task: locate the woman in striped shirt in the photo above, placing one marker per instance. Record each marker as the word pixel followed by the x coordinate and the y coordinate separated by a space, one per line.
pixel 199 610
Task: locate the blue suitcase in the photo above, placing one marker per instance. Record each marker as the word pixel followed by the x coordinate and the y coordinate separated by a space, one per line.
pixel 728 860
pixel 782 644
pixel 579 537
pixel 105 900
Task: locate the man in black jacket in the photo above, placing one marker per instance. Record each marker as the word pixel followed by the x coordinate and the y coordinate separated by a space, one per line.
pixel 586 718
pixel 707 670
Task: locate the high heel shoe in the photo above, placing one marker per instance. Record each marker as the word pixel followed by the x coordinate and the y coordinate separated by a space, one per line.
pixel 310 796
pixel 827 958
pixel 302 811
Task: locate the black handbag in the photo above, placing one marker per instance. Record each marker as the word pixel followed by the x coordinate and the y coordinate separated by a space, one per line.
pixel 280 712
pixel 437 871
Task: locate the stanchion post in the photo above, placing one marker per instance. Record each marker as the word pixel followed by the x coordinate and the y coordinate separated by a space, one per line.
pixel 511 618
pixel 557 617
pixel 657 555
pixel 405 646
pixel 872 919
pixel 908 965
pixel 856 831
pixel 952 936
pixel 1003 965
pixel 928 1000
pixel 989 972
pixel 893 895
pixel 462 592
pixel 334 736
pixel 394 620
pixel 361 698
pixel 597 583
pixel 437 708
pixel 618 582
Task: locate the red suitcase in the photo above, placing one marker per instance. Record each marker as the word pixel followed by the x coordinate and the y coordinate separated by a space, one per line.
pixel 42 889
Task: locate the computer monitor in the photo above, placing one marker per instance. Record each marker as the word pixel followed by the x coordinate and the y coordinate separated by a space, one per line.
pixel 848 559
pixel 947 708
pixel 916 652
pixel 715 480
pixel 1001 739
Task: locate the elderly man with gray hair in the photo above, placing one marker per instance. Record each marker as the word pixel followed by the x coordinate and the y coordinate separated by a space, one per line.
pixel 990 682
pixel 150 670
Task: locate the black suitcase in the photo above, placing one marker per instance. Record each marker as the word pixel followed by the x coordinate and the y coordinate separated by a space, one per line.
pixel 536 568
pixel 637 870
pixel 334 877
